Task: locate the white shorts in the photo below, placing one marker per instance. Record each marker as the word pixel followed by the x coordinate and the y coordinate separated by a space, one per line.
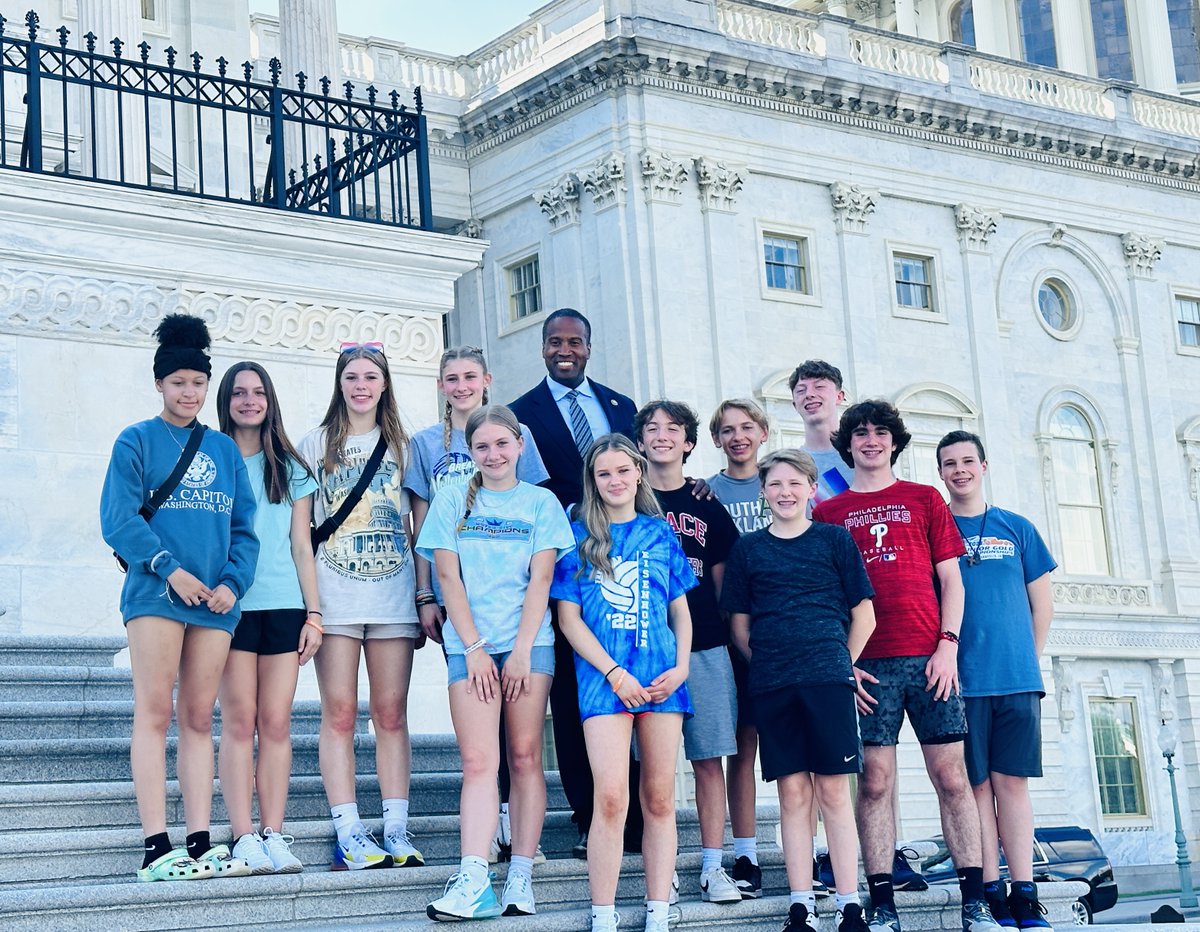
pixel 373 632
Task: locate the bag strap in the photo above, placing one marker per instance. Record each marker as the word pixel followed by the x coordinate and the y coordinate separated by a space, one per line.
pixel 163 492
pixel 334 521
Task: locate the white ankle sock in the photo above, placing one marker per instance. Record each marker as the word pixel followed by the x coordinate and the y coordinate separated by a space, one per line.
pixel 395 815
pixel 345 817
pixel 602 917
pixel 807 897
pixel 746 848
pixel 711 857
pixel 656 909
pixel 521 865
pixel 845 899
pixel 474 867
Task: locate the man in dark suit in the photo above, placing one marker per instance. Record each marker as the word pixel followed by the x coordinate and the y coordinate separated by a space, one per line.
pixel 565 412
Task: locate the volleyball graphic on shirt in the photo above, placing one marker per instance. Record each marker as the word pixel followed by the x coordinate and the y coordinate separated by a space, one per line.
pixel 621 591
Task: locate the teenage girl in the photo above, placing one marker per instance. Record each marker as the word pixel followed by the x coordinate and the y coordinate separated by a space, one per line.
pixel 187 568
pixel 277 634
pixel 440 459
pixel 495 543
pixel 623 607
pixel 365 576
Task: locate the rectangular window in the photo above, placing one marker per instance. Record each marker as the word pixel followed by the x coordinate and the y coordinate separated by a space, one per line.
pixel 786 259
pixel 914 281
pixel 1187 313
pixel 1118 757
pixel 147 9
pixel 524 289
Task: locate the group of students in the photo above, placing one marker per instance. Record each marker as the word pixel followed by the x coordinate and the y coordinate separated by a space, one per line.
pixel 784 608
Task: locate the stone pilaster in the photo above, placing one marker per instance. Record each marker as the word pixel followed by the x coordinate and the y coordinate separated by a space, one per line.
pixel 720 183
pixel 853 206
pixel 101 156
pixel 560 201
pixel 308 41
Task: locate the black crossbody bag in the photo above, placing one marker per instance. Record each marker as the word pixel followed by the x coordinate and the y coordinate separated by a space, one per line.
pixel 163 492
pixel 334 521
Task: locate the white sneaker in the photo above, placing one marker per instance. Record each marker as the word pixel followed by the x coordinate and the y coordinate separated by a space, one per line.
pixel 253 850
pixel 361 852
pixel 399 845
pixel 517 898
pixel 716 886
pixel 463 900
pixel 607 925
pixel 663 924
pixel 279 848
pixel 674 897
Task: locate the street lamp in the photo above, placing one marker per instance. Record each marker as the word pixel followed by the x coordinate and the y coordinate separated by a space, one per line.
pixel 1168 738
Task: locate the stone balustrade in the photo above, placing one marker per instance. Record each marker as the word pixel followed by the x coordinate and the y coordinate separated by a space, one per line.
pixel 899 55
pixel 781 30
pixel 1040 86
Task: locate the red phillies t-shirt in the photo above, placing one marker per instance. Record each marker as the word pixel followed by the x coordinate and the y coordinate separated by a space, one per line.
pixel 901 532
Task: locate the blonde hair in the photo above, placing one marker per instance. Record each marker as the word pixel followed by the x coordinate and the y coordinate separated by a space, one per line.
pixel 751 409
pixel 387 415
pixel 491 414
pixel 471 354
pixel 595 548
pixel 800 461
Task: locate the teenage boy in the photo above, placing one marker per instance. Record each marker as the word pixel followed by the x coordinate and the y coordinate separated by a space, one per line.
pixel 739 427
pixel 1009 606
pixel 907 537
pixel 817 394
pixel 666 433
pixel 800 605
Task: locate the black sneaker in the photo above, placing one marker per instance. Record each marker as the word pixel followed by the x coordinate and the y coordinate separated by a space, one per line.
pixel 823 871
pixel 884 919
pixel 580 849
pixel 851 919
pixel 1026 912
pixel 903 875
pixel 994 894
pixel 800 919
pixel 976 917
pixel 748 878
pixel 820 888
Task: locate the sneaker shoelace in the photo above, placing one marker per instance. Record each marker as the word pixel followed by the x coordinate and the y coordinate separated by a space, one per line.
pixel 398 838
pixel 275 838
pixel 519 884
pixel 362 839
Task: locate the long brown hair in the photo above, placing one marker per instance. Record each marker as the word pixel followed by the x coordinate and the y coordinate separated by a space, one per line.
pixel 595 549
pixel 280 458
pixel 473 354
pixel 387 415
pixel 491 414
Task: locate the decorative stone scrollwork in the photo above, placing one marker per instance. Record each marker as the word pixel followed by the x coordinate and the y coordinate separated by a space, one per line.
pixel 975 226
pixel 720 183
pixel 1192 455
pixel 1142 253
pixel 1112 595
pixel 1064 685
pixel 560 202
pixel 472 228
pixel 852 205
pixel 1057 232
pixel 605 182
pixel 663 177
pixel 1163 675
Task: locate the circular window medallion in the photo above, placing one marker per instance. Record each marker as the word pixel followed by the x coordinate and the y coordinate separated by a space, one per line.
pixel 1056 308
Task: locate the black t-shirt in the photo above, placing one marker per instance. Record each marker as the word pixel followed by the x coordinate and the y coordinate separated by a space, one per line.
pixel 707 535
pixel 798 593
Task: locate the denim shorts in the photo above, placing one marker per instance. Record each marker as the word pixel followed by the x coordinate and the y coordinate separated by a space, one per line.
pixel 541 660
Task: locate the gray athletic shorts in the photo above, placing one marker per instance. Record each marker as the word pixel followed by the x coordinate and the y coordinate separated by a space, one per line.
pixel 712 731
pixel 901 688
pixel 1004 735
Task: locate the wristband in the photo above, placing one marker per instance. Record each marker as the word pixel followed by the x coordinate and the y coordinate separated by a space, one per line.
pixel 615 666
pixel 482 642
pixel 312 624
pixel 313 611
pixel 620 680
pixel 948 636
pixel 424 591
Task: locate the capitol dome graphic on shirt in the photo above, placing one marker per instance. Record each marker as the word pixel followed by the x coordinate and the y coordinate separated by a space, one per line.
pixel 370 543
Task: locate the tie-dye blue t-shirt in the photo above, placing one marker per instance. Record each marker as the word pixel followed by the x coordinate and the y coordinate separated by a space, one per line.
pixel 628 612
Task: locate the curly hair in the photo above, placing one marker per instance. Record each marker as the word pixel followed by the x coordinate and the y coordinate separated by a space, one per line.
pixel 875 411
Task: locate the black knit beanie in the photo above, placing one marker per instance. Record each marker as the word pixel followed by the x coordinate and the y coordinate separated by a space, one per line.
pixel 182 340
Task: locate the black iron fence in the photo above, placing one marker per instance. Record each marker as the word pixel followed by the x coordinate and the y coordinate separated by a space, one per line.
pixel 122 119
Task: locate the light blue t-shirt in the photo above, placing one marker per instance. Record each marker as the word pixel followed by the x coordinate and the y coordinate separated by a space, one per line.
pixel 276 584
pixel 996 655
pixel 495 547
pixel 628 612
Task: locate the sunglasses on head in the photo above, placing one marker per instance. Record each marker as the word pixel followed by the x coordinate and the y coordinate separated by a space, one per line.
pixel 373 347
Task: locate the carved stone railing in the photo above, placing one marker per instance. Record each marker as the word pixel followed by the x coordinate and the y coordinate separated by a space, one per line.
pixel 506 56
pixel 391 63
pixel 898 55
pixel 1038 86
pixel 780 30
pixel 1171 115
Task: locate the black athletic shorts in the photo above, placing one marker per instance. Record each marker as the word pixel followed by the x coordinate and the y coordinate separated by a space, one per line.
pixel 807 729
pixel 1004 735
pixel 270 631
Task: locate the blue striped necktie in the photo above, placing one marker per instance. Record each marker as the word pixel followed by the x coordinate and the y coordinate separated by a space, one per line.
pixel 579 424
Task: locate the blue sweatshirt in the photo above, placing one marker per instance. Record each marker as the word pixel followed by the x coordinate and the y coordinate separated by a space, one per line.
pixel 206 525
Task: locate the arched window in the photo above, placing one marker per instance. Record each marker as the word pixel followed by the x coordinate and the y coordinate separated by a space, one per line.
pixel 962 23
pixel 930 412
pixel 1110 32
pixel 1078 493
pixel 1182 16
pixel 1037 33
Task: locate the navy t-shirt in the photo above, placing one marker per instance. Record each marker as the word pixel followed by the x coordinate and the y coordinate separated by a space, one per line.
pixel 707 534
pixel 798 593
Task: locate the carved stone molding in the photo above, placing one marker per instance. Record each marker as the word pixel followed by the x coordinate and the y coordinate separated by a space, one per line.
pixel 663 176
pixel 108 310
pixel 852 206
pixel 605 181
pixel 1057 232
pixel 1163 674
pixel 1126 643
pixel 560 202
pixel 1064 686
pixel 1142 253
pixel 975 226
pixel 472 228
pixel 1191 455
pixel 1114 595
pixel 720 183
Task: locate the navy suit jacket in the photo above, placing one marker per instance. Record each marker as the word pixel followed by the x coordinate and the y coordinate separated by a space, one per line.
pixel 537 410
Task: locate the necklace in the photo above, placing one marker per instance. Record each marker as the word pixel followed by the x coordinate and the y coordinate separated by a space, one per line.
pixel 973 558
pixel 171 434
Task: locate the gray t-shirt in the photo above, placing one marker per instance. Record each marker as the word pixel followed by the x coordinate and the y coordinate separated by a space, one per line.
pixel 798 593
pixel 743 500
pixel 833 475
pixel 434 467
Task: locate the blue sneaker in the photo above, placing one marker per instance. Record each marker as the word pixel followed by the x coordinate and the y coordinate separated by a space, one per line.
pixel 464 899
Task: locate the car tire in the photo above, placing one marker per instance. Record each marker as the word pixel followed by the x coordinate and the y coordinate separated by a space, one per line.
pixel 1081 912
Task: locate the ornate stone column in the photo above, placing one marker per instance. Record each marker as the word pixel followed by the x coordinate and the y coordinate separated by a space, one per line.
pixel 992 32
pixel 1072 35
pixel 1155 54
pixel 101 158
pixel 853 206
pixel 308 45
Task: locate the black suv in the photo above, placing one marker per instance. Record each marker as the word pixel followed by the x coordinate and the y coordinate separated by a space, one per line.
pixel 1065 852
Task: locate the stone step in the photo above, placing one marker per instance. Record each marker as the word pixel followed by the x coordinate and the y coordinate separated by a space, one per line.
pixel 55 806
pixel 113 718
pixel 20 683
pixel 102 760
pixel 54 651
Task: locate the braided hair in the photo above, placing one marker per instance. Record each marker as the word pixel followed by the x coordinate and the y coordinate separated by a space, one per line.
pixel 489 414
pixel 471 354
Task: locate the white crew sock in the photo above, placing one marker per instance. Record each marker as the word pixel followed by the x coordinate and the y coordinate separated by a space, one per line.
pixel 345 817
pixel 521 865
pixel 746 848
pixel 395 816
pixel 602 917
pixel 475 868
pixel 711 857
pixel 656 909
pixel 807 897
pixel 845 899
